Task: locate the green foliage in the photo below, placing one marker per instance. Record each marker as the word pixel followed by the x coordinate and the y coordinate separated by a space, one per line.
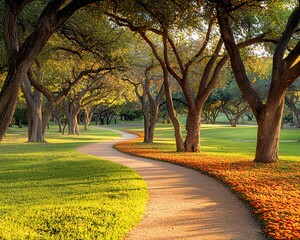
pixel 51 191
pixel 20 116
pixel 179 14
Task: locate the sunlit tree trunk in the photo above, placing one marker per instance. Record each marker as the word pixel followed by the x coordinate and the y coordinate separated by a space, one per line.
pixel 192 140
pixel 34 112
pixel 146 124
pixel 34 119
pixel 172 114
pixel 153 121
pixel 284 72
pixel 88 113
pixel 72 111
pixel 268 132
pixel 47 115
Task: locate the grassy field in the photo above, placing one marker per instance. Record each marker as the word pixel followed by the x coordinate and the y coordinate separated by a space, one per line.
pixel 51 191
pixel 272 191
pixel 224 140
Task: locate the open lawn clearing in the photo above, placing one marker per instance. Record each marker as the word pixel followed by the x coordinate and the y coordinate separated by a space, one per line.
pixel 272 191
pixel 51 191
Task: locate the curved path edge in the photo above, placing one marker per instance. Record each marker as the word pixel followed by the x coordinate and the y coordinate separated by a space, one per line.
pixel 183 203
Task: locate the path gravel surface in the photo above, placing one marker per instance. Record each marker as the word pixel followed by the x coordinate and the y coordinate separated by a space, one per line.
pixel 183 204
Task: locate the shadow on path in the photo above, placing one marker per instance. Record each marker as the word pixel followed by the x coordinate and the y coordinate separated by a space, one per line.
pixel 184 204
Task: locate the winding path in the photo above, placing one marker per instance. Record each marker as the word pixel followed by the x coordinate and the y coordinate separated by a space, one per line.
pixel 184 204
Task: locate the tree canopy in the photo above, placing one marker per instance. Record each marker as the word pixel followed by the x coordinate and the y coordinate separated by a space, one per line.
pixel 165 48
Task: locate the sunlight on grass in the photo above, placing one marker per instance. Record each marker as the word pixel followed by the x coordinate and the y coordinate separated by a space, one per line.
pixel 270 190
pixel 224 140
pixel 51 191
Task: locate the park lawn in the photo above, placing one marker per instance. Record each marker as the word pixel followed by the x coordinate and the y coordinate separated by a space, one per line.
pixel 271 191
pixel 52 191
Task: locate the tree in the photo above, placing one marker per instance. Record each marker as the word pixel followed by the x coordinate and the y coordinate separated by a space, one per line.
pixel 69 50
pixel 34 110
pixel 20 58
pixel 162 25
pixel 285 71
pixel 292 101
pixel 212 106
pixel 149 89
pixel 92 90
pixel 234 106
pixel 176 36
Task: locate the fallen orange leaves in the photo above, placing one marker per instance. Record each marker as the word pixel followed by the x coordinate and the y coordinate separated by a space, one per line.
pixel 272 191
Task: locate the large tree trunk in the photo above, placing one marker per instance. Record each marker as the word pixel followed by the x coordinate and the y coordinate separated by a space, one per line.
pixel 88 113
pixel 57 115
pixel 14 78
pixel 172 114
pixel 72 111
pixel 192 140
pixel 152 123
pixel 34 112
pixel 284 72
pixel 8 98
pixel 146 125
pixel 170 105
pixel 269 123
pixel 47 115
pixel 73 124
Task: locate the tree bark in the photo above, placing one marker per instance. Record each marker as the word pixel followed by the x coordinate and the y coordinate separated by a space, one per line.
pixel 207 82
pixel 34 119
pixel 88 113
pixel 34 112
pixel 269 123
pixel 146 125
pixel 154 106
pixel 72 111
pixel 47 115
pixel 172 114
pixel 284 73
pixel 57 116
pixel 192 140
pixel 169 100
pixel 8 100
pixel 152 123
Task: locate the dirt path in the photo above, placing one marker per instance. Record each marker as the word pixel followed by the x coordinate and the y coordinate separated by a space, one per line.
pixel 184 204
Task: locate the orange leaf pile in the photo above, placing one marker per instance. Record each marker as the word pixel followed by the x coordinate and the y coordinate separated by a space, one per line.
pixel 272 191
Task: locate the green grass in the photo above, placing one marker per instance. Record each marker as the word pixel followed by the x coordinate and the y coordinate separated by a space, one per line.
pixel 271 191
pixel 51 191
pixel 226 140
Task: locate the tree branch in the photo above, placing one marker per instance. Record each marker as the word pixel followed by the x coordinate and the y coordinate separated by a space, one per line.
pixel 203 47
pixel 238 67
pixel 292 24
